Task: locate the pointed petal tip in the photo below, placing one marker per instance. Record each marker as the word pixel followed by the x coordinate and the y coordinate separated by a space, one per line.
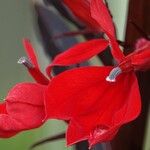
pixel 30 52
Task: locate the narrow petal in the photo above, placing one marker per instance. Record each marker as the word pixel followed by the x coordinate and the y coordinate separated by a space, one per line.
pixel 30 52
pixel 79 53
pixel 141 58
pixel 115 50
pixel 87 97
pixel 34 70
pixel 100 13
pixel 38 76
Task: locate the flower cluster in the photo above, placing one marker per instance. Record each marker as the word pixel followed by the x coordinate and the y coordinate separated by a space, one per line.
pixel 96 101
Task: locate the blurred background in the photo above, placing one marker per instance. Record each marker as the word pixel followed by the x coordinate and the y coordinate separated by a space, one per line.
pixel 39 21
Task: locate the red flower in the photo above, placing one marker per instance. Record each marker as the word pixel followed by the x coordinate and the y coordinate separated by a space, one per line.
pixel 97 101
pixel 96 108
pixel 23 108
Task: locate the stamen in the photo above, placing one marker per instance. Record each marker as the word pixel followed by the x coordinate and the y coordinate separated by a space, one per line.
pixel 113 74
pixel 37 75
pixel 26 62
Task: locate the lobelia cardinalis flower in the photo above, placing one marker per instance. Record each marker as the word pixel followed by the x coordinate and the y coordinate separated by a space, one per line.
pixel 23 108
pixel 97 101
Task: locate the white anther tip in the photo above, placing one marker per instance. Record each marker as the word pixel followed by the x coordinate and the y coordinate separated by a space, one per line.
pixel 110 80
pixel 26 62
pixel 22 60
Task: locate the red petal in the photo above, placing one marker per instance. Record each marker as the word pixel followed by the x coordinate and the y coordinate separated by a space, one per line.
pixel 24 107
pixel 79 129
pixel 79 53
pixel 141 59
pixel 73 131
pixel 7 134
pixel 30 52
pixel 2 108
pixel 92 101
pixel 115 49
pixel 73 84
pixel 100 135
pixel 35 72
pixel 84 13
pixel 100 13
pixel 30 93
pixel 38 76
